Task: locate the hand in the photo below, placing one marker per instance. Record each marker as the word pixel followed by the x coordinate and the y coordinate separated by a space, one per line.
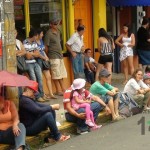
pixel 107 110
pixel 81 116
pixel 82 49
pixel 16 130
pixel 74 54
pixel 88 101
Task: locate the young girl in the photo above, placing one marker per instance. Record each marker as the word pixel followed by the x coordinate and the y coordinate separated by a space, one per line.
pixel 78 101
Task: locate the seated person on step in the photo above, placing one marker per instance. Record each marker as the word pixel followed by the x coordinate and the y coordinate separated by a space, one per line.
pixel 78 116
pixel 37 117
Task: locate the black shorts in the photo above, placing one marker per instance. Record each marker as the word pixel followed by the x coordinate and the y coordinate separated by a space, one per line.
pixel 105 58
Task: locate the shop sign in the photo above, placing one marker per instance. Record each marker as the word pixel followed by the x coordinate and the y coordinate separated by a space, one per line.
pixel 18 2
pixel 18 13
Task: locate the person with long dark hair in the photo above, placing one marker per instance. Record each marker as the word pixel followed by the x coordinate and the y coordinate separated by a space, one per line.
pixel 126 42
pixel 45 71
pixel 105 47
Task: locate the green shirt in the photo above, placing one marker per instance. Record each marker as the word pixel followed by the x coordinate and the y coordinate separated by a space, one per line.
pixel 98 89
pixel 52 40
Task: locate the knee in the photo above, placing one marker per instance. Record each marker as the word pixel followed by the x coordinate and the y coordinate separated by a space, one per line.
pixel 22 127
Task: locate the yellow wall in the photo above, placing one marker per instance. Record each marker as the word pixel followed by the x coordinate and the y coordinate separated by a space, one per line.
pixel 99 20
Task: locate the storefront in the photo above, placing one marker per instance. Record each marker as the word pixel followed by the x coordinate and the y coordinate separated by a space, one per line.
pixel 26 14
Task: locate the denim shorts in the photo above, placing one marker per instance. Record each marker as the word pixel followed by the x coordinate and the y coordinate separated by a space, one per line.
pixel 106 98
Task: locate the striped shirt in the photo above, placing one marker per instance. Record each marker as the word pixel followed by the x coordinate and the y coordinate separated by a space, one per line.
pixel 30 47
pixel 106 48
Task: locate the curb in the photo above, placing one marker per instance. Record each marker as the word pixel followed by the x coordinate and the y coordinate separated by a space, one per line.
pixel 66 127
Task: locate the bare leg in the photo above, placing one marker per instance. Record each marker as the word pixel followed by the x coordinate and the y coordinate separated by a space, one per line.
pixel 56 82
pixel 125 70
pixel 116 106
pixel 61 84
pixel 111 106
pixel 98 68
pixel 108 66
pixel 130 64
pixel 48 81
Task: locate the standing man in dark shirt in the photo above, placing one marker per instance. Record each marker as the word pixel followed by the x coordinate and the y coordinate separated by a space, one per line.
pixel 54 50
pixel 143 43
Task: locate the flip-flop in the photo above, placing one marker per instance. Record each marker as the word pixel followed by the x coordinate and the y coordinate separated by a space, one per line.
pixel 63 138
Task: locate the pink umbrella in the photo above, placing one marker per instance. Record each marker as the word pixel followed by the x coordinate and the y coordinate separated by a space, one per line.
pixel 13 79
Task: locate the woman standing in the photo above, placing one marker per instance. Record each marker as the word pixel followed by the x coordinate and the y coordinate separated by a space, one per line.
pixel 138 90
pixel 43 56
pixel 126 41
pixel 105 47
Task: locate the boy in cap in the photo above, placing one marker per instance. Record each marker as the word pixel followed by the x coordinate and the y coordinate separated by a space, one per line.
pixel 146 79
pixel 107 93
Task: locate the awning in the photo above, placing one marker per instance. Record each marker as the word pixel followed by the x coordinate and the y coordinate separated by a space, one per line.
pixel 117 3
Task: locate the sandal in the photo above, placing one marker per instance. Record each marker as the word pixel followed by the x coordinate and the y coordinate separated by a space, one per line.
pixel 52 97
pixel 64 138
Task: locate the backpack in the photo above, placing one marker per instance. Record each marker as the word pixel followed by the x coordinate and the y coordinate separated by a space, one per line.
pixel 127 106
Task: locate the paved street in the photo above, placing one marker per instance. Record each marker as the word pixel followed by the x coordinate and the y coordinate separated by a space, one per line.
pixel 122 135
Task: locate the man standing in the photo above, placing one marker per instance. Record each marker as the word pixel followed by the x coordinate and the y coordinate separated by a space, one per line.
pixel 75 46
pixel 34 69
pixel 143 44
pixel 54 50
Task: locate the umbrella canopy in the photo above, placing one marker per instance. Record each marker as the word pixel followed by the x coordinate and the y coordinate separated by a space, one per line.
pixel 13 79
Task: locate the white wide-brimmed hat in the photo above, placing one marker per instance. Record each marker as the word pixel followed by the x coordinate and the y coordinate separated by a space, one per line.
pixel 78 84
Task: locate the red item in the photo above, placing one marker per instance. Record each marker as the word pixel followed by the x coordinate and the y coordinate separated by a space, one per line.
pixel 13 79
pixel 0 47
pixel 34 86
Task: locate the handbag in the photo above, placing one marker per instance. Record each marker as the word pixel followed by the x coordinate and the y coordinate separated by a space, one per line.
pixel 46 64
pixel 21 64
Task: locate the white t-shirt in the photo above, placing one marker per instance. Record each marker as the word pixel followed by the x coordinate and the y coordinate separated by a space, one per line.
pixel 76 42
pixel 132 86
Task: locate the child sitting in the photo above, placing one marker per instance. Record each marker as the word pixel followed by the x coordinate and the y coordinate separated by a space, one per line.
pixel 146 79
pixel 78 101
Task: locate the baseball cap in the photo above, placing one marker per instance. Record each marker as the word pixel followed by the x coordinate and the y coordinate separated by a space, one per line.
pixel 146 76
pixel 54 20
pixel 104 73
pixel 34 86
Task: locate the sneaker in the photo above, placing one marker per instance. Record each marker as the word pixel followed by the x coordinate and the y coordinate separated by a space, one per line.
pixel 96 127
pixel 82 132
pixel 40 100
pixel 89 123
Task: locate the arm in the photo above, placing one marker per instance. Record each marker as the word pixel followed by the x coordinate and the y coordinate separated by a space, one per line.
pixel 132 41
pixel 15 119
pixel 21 52
pixel 117 41
pixel 79 101
pixel 97 99
pixel 34 107
pixel 70 50
pixel 99 44
pixel 73 112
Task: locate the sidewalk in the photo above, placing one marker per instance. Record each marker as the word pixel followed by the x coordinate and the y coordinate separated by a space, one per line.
pixel 117 80
pixel 67 127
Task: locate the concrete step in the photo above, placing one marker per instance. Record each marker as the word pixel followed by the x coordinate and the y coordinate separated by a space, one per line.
pixel 66 128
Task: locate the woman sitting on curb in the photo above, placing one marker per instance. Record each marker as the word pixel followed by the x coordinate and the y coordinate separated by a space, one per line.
pixel 11 130
pixel 78 116
pixel 138 90
pixel 107 93
pixel 37 117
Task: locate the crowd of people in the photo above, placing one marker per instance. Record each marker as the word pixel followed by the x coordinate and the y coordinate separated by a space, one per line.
pixel 81 106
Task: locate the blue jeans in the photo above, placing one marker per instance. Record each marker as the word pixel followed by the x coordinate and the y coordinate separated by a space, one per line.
pixel 8 137
pixel 46 120
pixel 77 65
pixel 89 76
pixel 95 107
pixel 35 73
